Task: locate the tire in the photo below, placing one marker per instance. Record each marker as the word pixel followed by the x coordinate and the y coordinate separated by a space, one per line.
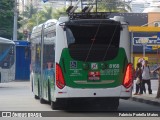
pixel 42 101
pixel 54 106
pixel 114 104
pixel 108 104
pixel 36 97
pixel 59 105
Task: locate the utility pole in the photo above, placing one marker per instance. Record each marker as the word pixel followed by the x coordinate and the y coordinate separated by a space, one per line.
pixel 15 21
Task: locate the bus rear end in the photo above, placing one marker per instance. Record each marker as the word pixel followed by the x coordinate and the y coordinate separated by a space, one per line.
pixel 93 61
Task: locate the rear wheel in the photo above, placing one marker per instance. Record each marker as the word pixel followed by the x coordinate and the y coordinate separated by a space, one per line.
pixel 107 104
pixel 36 97
pixel 42 101
pixel 55 105
pixel 59 104
pixel 113 104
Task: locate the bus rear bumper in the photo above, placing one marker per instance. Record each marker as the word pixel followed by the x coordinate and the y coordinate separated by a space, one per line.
pixel 68 92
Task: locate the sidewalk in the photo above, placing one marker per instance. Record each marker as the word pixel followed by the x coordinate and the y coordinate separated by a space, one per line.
pixel 147 98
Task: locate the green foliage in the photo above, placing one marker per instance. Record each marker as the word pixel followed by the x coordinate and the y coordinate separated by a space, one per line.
pixel 113 6
pixel 33 16
pixel 48 12
pixel 20 36
pixel 6 18
pixel 59 12
pixel 30 10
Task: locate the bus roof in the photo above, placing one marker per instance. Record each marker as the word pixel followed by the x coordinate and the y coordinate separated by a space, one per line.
pixel 51 20
pixel 7 41
pixel 50 23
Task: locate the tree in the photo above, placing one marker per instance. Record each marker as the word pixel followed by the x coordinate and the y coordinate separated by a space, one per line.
pixel 33 19
pixel 6 18
pixel 27 16
pixel 47 12
pixel 30 10
pixel 59 12
pixel 113 6
pixel 42 16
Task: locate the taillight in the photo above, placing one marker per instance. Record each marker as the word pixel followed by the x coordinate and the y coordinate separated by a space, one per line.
pixel 127 82
pixel 59 77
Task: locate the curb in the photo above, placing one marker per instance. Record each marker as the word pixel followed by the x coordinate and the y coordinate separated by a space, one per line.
pixel 142 100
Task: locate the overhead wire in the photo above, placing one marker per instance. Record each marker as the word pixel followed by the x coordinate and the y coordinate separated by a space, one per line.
pixel 110 42
pixel 93 40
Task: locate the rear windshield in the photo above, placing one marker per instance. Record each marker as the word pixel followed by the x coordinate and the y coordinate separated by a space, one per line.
pixel 90 37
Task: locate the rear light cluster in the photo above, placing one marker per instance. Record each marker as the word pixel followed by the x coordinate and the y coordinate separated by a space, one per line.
pixel 127 82
pixel 60 82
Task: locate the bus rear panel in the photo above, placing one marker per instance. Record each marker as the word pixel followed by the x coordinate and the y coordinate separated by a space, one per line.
pixel 93 60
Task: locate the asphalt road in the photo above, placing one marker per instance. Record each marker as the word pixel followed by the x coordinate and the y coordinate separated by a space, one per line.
pixel 17 96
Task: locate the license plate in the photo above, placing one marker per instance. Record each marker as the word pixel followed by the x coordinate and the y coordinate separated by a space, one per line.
pixel 94 76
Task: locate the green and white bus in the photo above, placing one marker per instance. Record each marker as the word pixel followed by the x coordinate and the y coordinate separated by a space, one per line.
pixel 81 60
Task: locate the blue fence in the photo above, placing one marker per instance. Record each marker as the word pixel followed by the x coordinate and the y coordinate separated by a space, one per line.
pixel 23 60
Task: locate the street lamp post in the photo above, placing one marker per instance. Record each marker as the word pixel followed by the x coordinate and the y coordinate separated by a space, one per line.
pixel 15 21
pixel 144 47
pixel 144 42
